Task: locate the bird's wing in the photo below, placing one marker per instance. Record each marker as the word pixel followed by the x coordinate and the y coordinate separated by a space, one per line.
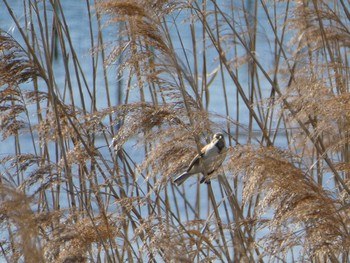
pixel 196 159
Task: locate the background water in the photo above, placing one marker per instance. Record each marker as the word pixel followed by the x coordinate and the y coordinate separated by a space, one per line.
pixel 76 14
pixel 77 17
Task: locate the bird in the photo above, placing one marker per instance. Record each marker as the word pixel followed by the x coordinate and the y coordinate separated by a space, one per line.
pixel 210 158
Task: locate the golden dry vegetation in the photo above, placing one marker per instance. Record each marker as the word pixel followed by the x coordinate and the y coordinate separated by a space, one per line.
pixel 278 71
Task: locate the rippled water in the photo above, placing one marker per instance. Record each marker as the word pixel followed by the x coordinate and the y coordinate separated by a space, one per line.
pixel 76 14
pixel 77 18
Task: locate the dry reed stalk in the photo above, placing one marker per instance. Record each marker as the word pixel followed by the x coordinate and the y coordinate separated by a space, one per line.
pixel 304 214
pixel 22 227
pixel 92 203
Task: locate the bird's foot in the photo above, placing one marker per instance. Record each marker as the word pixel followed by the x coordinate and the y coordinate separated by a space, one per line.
pixel 205 180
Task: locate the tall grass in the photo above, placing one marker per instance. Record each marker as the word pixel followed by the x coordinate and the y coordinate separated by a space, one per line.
pixel 89 176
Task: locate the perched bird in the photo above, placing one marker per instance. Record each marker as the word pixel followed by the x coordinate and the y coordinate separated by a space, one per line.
pixel 211 157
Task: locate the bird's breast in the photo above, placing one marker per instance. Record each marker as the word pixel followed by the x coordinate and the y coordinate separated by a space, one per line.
pixel 211 151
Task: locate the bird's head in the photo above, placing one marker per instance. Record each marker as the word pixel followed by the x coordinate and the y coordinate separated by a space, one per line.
pixel 218 136
pixel 219 141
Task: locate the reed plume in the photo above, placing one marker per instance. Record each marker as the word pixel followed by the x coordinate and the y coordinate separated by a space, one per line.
pixel 271 76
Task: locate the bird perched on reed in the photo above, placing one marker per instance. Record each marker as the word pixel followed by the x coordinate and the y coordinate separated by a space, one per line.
pixel 211 157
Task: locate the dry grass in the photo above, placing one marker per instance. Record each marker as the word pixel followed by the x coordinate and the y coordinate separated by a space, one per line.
pixel 187 70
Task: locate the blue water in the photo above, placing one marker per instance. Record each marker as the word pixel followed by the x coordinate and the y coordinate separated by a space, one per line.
pixel 76 14
pixel 77 18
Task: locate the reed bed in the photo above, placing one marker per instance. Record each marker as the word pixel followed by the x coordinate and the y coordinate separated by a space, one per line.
pixel 95 146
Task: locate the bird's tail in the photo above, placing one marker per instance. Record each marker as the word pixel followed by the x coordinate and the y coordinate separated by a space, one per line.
pixel 181 178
